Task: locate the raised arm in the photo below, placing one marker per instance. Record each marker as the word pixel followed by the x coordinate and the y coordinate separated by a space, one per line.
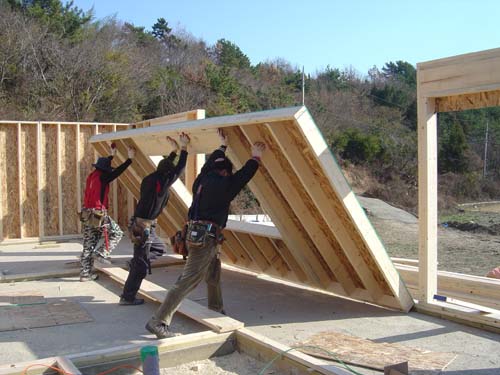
pixel 108 177
pixel 245 174
pixel 218 153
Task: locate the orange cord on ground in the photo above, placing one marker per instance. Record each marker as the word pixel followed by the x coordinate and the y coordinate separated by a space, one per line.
pixel 69 373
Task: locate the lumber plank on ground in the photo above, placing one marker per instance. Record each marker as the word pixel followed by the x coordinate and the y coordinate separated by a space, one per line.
pixel 180 344
pixel 213 320
pixel 461 314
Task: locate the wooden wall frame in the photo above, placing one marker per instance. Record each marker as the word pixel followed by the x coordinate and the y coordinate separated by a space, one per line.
pixel 456 83
pixel 44 165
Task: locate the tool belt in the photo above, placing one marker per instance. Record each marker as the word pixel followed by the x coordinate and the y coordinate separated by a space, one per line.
pixel 199 232
pixel 139 231
pixel 92 217
pixel 138 228
pixel 178 242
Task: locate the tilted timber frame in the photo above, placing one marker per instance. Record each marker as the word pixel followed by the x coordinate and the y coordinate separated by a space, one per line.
pixel 458 83
pixel 326 239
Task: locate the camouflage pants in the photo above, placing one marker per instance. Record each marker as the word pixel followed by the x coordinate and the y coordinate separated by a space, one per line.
pixel 94 244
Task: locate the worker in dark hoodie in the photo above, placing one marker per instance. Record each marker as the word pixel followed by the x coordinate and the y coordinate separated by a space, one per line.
pixel 213 190
pixel 94 216
pixel 154 198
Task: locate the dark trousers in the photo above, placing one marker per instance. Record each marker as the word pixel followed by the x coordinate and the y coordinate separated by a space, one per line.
pixel 139 264
pixel 138 270
pixel 157 245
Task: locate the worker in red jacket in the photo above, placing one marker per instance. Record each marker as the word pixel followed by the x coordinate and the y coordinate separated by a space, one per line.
pixel 94 215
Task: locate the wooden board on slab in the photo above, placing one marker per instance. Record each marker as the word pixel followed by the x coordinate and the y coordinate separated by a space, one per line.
pixel 372 354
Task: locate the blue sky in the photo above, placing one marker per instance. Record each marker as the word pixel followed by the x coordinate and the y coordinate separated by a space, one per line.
pixel 317 33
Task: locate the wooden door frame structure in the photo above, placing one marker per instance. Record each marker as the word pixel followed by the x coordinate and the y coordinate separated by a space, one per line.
pixel 457 83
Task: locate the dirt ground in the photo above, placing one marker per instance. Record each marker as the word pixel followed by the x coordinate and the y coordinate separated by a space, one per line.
pixel 233 364
pixel 469 252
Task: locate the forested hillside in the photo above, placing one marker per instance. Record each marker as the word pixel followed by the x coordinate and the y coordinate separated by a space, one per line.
pixel 58 62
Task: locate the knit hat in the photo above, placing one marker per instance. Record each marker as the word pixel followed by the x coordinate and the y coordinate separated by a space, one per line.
pixel 103 164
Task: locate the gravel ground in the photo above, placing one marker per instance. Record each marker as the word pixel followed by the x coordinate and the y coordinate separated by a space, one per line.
pixel 472 253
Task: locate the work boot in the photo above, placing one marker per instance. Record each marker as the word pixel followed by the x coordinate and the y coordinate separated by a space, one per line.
pixel 134 302
pixel 91 277
pixel 159 329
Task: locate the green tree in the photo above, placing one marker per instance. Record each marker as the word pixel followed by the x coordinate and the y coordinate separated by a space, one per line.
pixel 397 90
pixel 163 33
pixel 452 150
pixel 401 71
pixel 65 20
pixel 357 147
pixel 228 54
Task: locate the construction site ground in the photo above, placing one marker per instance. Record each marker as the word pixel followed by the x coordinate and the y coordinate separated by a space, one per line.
pixel 284 313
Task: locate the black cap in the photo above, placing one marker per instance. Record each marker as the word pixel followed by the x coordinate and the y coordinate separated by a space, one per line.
pixel 103 164
pixel 165 166
pixel 223 164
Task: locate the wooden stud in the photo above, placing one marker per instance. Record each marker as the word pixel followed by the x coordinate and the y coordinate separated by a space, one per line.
pixel 20 177
pixel 291 188
pixel 301 248
pixel 59 180
pixel 41 215
pixel 346 253
pixel 287 255
pixel 78 175
pixel 114 191
pixel 356 221
pixel 274 258
pixel 190 171
pixel 238 250
pixel 251 248
pixel 427 198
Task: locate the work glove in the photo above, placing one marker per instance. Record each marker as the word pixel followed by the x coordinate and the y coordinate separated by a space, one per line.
pixel 222 137
pixel 184 140
pixel 131 152
pixel 257 149
pixel 113 149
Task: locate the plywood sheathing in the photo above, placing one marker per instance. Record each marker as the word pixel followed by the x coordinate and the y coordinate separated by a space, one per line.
pixel 326 240
pixel 375 355
pixel 69 179
pixel 9 169
pixel 44 165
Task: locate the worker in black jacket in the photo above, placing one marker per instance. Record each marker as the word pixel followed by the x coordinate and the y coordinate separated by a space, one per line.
pixel 213 191
pixel 154 198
